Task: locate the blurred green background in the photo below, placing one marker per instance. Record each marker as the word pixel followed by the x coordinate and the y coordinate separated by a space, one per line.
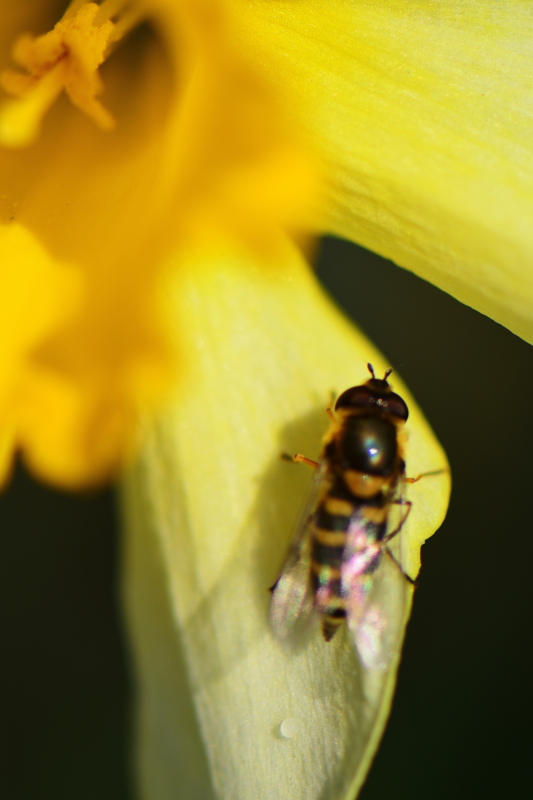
pixel 461 722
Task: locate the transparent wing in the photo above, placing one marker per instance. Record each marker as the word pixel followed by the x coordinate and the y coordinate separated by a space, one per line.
pixel 376 625
pixel 374 587
pixel 291 594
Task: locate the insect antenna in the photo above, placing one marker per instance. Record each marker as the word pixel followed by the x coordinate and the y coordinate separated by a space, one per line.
pixel 390 370
pixel 371 370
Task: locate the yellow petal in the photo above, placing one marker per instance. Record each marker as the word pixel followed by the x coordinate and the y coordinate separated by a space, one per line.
pixel 201 146
pixel 209 512
pixel 423 114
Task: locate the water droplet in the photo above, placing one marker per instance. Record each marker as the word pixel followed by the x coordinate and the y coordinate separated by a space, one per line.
pixel 290 727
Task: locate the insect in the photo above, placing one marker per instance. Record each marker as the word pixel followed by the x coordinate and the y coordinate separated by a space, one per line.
pixel 340 562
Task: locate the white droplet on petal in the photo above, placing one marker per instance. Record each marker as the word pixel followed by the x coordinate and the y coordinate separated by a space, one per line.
pixel 290 727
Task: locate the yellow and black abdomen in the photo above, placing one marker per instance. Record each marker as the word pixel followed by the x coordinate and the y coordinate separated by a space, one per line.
pixel 333 518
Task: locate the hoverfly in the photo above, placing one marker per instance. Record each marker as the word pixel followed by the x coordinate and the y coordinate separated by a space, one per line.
pixel 340 562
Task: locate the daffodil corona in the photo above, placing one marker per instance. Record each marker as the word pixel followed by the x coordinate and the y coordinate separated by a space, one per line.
pixel 192 143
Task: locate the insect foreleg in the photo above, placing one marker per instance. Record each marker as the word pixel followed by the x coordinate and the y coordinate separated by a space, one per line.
pixel 329 409
pixel 299 458
pixel 304 460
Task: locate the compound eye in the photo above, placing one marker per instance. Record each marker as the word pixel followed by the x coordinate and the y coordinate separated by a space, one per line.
pixel 397 406
pixel 356 397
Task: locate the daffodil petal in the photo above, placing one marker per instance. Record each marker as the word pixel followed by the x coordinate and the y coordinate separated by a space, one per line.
pixel 209 512
pixel 423 113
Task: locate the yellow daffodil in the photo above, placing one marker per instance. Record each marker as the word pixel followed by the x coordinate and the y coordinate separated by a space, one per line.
pixel 164 163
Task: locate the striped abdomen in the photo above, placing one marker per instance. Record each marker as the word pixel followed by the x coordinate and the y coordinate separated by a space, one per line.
pixel 335 519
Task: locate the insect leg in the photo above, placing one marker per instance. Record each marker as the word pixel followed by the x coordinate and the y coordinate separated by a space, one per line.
pixel 405 575
pixel 298 458
pixel 329 409
pixel 425 475
pixel 304 460
pixel 397 530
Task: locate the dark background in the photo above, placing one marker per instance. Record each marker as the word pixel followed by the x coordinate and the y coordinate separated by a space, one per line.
pixel 461 722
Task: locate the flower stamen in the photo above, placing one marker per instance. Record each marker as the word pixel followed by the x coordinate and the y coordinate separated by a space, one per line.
pixel 66 58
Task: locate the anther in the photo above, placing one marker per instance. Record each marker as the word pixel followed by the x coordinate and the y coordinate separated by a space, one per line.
pixel 67 58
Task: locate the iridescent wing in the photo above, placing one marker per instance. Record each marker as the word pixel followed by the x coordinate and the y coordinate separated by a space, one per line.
pixel 377 629
pixel 292 598
pixel 375 588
